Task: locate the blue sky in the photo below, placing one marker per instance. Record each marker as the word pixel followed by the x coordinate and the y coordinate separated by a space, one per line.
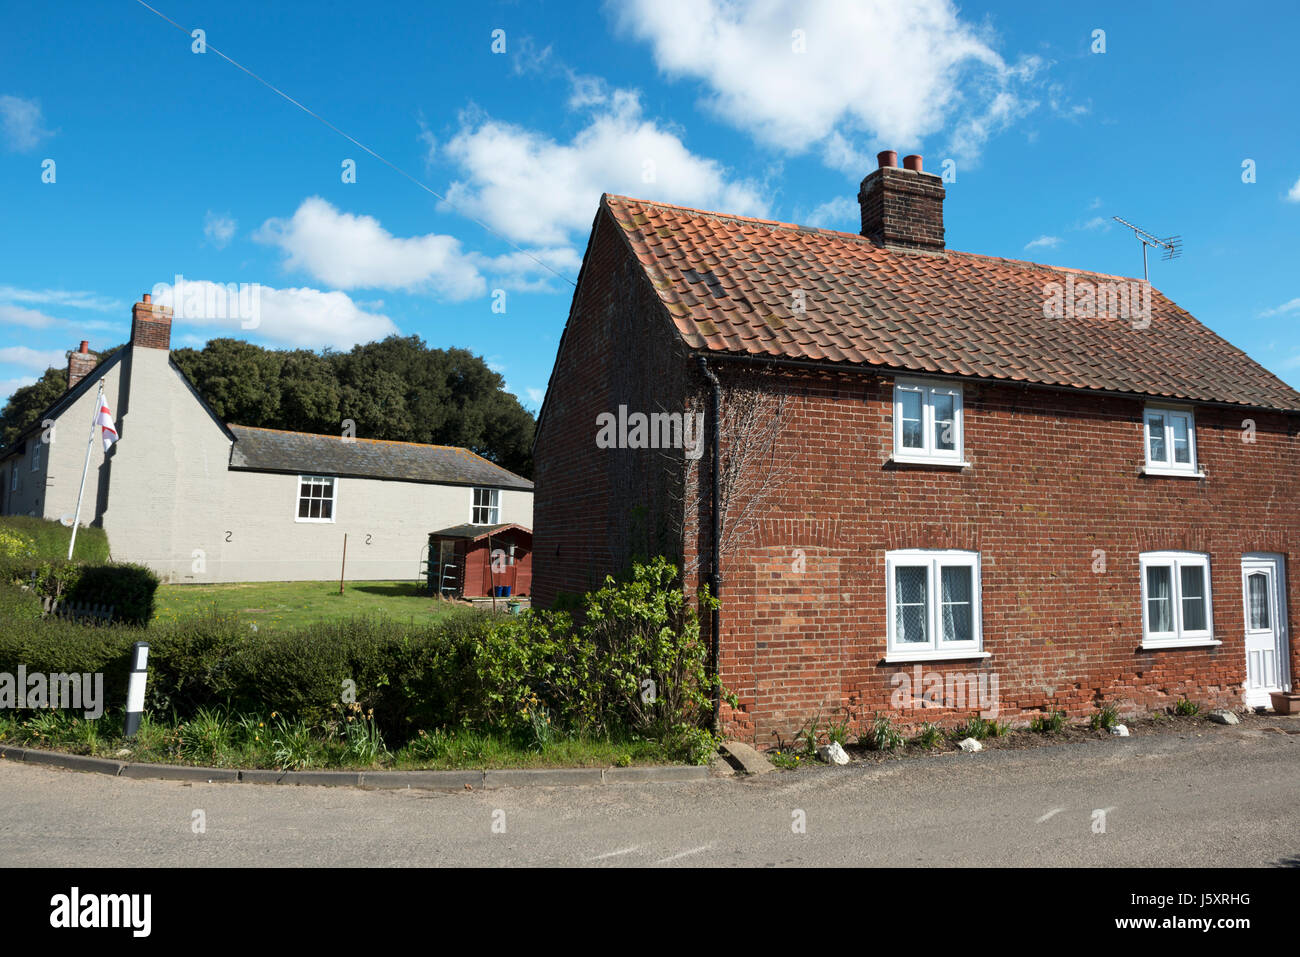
pixel 168 161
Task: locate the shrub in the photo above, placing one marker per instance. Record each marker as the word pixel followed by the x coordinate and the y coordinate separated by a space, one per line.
pixel 18 604
pixel 1105 718
pixel 14 544
pixel 882 735
pixel 977 728
pixel 47 577
pixel 809 735
pixel 929 737
pixel 1186 708
pixel 1051 723
pixel 128 588
pixel 837 732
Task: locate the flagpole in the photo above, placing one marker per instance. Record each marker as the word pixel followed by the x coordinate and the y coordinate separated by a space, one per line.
pixel 90 443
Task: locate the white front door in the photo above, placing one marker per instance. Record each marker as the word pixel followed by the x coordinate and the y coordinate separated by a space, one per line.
pixel 1264 592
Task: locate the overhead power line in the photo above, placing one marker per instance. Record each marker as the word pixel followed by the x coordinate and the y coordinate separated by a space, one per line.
pixel 357 143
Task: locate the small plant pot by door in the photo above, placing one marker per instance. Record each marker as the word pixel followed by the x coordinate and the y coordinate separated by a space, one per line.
pixel 1286 702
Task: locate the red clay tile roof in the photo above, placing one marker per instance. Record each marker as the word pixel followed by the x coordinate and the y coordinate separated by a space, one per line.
pixel 729 284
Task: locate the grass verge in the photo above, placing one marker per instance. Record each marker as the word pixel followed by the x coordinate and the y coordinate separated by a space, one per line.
pixel 221 740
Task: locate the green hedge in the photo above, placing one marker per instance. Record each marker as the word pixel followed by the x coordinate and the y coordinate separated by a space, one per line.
pixel 499 673
pixel 47 539
pixel 18 604
pixel 130 589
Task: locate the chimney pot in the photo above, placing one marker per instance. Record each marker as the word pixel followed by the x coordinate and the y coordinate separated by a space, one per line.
pixel 887 158
pixel 85 347
pixel 912 162
pixel 147 298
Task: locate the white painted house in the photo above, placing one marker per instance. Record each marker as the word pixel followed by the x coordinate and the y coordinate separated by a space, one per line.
pixel 198 500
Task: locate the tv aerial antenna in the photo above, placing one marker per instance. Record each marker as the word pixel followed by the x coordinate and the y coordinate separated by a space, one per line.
pixel 1172 245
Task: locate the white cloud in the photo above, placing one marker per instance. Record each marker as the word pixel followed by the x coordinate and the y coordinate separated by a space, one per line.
pixel 20 316
pixel 891 72
pixel 1282 310
pixel 62 297
pixel 353 252
pixel 535 190
pixel 218 229
pixel 1043 242
pixel 301 317
pixel 1097 222
pixel 21 122
pixel 838 213
pixel 1294 194
pixel 37 360
pixel 535 396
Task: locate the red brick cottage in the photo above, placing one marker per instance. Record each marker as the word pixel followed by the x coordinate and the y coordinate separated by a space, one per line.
pixel 929 482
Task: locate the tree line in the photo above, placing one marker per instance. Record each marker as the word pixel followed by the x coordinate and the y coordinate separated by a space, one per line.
pixel 397 389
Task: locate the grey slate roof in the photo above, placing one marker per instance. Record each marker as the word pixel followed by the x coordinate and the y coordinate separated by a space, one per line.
pixel 270 450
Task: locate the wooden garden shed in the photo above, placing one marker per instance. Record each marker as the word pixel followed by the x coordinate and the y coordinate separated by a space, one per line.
pixel 476 561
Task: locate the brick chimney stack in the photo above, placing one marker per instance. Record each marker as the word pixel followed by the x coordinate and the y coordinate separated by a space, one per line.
pixel 80 363
pixel 151 325
pixel 902 207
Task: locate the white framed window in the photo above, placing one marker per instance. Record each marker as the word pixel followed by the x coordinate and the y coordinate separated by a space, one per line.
pixel 316 498
pixel 36 457
pixel 1176 602
pixel 927 422
pixel 933 604
pixel 13 478
pixel 1170 437
pixel 487 507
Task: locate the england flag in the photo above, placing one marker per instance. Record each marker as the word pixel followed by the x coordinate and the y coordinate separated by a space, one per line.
pixel 105 421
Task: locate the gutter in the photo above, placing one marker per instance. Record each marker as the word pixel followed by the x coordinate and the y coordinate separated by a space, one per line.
pixel 715 440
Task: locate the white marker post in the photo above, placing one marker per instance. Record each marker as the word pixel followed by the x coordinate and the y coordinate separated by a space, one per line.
pixel 90 443
pixel 135 687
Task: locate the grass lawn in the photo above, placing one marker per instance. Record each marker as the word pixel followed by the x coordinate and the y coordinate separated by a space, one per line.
pixel 285 605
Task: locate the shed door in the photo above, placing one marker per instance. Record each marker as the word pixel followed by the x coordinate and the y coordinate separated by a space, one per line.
pixel 1264 594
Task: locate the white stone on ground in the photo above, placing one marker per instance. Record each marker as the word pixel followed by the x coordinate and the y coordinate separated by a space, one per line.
pixel 832 753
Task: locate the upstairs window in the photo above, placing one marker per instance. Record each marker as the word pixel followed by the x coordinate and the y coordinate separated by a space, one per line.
pixel 933 603
pixel 927 423
pixel 1170 441
pixel 36 457
pixel 13 478
pixel 487 507
pixel 315 498
pixel 1176 605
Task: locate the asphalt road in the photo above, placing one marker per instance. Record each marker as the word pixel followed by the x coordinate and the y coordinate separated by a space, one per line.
pixel 1223 796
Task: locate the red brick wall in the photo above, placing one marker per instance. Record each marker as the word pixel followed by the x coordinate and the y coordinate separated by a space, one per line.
pixel 1053 476
pixel 594 508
